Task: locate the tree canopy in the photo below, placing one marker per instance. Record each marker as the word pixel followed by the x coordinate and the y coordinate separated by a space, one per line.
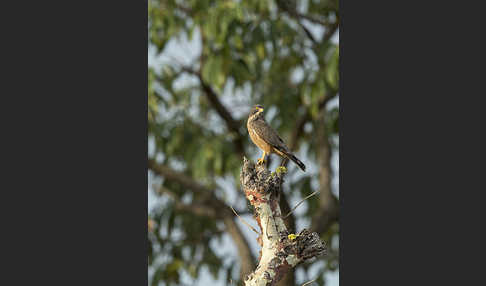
pixel 216 59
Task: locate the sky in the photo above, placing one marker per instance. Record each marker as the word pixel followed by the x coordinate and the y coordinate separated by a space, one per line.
pixel 186 52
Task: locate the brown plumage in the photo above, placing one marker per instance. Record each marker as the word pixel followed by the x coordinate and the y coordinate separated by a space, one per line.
pixel 266 138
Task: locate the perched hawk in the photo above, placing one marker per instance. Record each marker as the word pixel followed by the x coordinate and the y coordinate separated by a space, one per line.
pixel 267 139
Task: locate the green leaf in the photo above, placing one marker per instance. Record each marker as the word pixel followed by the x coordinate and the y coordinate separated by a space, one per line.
pixel 260 51
pixel 333 69
pixel 212 71
pixel 174 266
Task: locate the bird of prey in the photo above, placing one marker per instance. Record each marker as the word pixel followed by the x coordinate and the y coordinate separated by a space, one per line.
pixel 266 138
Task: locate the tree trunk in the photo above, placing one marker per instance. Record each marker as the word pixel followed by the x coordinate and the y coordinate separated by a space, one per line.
pixel 281 250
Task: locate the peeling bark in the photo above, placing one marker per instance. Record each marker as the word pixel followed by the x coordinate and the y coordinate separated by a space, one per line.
pixel 281 250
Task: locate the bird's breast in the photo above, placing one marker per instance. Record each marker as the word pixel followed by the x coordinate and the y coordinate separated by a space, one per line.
pixel 257 140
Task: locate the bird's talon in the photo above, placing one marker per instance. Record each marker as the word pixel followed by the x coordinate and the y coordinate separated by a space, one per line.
pixel 260 161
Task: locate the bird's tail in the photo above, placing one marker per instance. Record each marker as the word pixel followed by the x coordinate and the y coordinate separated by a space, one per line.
pixel 296 161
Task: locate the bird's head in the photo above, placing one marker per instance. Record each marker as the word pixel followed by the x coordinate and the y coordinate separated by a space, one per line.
pixel 256 112
pixel 257 109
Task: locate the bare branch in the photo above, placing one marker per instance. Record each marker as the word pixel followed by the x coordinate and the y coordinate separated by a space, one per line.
pixel 309 282
pixel 198 209
pixel 307 32
pixel 330 32
pixel 178 177
pixel 293 209
pixel 232 124
pixel 312 19
pixel 244 221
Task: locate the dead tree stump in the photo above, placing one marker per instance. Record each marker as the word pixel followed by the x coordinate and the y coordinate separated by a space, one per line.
pixel 281 250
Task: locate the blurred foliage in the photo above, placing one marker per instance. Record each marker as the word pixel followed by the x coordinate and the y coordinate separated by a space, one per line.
pixel 260 50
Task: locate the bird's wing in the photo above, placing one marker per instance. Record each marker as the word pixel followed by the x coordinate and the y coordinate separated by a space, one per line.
pixel 268 134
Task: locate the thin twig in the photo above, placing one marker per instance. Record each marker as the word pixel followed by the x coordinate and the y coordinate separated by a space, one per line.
pixel 312 19
pixel 293 209
pixel 330 32
pixel 243 221
pixel 308 282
